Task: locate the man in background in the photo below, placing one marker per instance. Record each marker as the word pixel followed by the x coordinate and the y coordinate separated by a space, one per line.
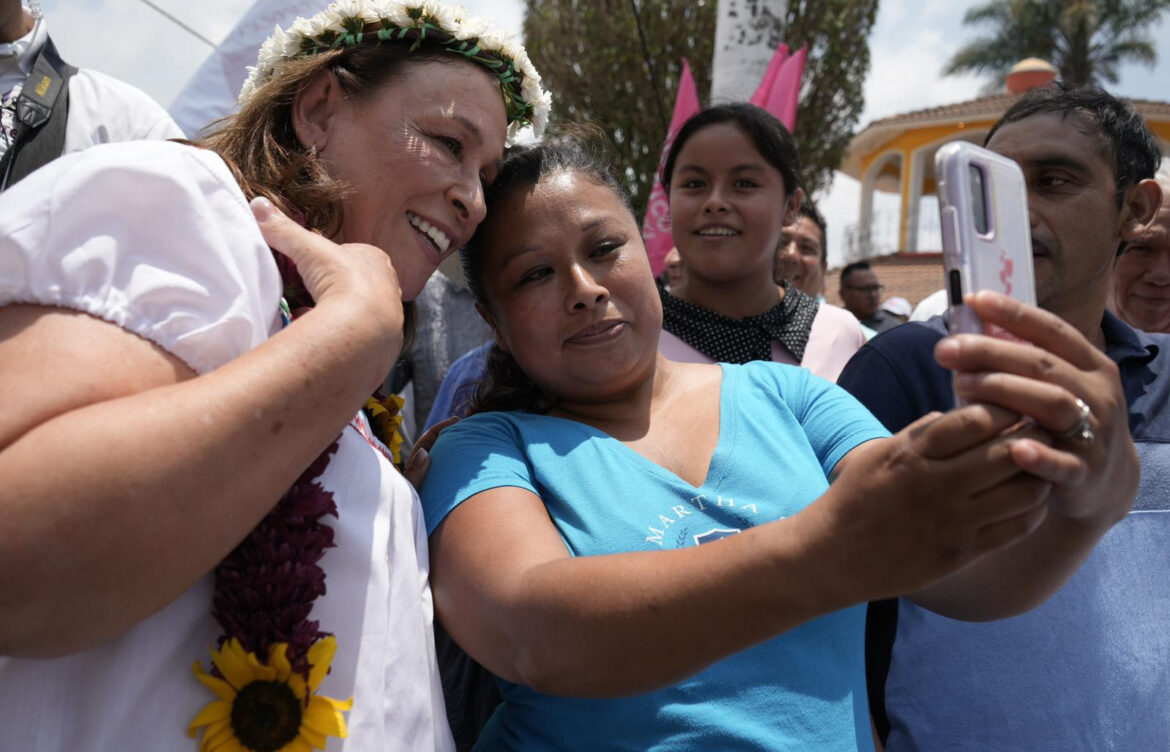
pixel 1141 279
pixel 861 294
pixel 801 258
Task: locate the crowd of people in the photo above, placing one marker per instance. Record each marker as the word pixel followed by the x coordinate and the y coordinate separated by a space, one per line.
pixel 708 510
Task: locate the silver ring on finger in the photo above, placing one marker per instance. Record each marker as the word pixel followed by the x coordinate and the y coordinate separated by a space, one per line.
pixel 1082 432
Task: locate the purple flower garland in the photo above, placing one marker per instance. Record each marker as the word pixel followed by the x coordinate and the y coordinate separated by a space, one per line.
pixel 265 588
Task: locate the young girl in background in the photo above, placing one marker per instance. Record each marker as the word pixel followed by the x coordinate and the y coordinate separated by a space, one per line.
pixel 732 175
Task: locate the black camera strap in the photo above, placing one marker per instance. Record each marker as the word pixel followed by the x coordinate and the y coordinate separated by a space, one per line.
pixel 41 111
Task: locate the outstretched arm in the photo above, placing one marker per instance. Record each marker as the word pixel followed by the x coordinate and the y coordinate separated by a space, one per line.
pixel 124 477
pixel 905 512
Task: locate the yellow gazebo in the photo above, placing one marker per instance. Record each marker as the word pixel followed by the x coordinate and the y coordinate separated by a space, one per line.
pixel 896 154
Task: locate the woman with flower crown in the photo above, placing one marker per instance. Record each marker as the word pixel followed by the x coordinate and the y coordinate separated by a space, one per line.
pixel 185 476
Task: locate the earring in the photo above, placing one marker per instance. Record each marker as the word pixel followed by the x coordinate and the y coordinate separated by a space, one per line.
pixel 313 152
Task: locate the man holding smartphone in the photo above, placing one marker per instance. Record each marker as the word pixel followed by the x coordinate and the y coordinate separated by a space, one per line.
pixel 1088 669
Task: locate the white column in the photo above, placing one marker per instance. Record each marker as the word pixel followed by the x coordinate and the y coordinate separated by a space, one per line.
pixel 917 168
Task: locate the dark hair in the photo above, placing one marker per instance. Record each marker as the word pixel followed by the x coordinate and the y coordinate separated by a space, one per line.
pixel 506 386
pixel 771 139
pixel 810 210
pixel 856 266
pixel 1125 139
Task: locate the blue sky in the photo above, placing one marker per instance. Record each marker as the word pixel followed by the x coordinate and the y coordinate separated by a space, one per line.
pixel 910 42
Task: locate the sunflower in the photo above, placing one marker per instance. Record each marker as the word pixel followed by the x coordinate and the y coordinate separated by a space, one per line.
pixel 386 420
pixel 268 707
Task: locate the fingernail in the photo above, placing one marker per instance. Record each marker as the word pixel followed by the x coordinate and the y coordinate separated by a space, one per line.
pixel 419 455
pixel 947 348
pixel 1026 451
pixel 262 209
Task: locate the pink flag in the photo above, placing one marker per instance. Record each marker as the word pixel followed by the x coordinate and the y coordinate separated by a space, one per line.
pixel 784 93
pixel 656 224
pixel 770 73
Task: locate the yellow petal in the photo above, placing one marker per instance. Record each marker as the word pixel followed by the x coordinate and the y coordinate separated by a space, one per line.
pixel 296 682
pixel 375 407
pixel 278 659
pixel 337 704
pixel 232 662
pixel 214 740
pixel 222 689
pixel 214 711
pixel 232 744
pixel 298 745
pixel 320 656
pixel 313 737
pixel 324 717
pixel 259 670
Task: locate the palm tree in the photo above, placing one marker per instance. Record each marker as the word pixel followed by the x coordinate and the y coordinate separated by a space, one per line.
pixel 1085 39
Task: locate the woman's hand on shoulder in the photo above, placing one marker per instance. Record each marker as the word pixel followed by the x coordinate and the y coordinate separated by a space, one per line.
pixel 358 275
pixel 419 461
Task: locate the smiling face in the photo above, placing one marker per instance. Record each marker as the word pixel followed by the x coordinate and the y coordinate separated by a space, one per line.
pixel 1141 288
pixel 415 155
pixel 1072 207
pixel 801 257
pixel 568 286
pixel 728 207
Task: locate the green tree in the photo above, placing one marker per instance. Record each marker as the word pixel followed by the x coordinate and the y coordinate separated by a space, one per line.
pixel 591 57
pixel 1086 40
pixel 831 98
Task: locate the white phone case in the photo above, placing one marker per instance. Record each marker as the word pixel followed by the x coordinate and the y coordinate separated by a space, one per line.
pixel 994 253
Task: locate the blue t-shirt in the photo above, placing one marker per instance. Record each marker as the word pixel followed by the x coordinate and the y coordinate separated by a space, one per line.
pixel 781 432
pixel 1087 670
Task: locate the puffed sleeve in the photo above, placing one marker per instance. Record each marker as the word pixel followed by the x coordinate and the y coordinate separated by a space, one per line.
pixel 155 237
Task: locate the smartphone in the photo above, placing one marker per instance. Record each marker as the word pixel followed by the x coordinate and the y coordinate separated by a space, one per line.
pixel 987 245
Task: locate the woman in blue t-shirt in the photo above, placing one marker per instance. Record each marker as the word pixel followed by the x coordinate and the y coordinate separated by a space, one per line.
pixel 661 555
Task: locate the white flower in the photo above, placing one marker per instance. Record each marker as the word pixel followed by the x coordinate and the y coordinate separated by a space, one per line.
pixel 541 107
pixel 471 28
pixel 292 46
pixel 439 15
pixel 344 11
pixel 302 27
pixel 396 14
pixel 283 46
pixel 512 51
pixel 249 84
pixel 330 20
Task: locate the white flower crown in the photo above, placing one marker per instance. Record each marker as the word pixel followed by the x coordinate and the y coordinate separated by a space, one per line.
pixel 348 23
